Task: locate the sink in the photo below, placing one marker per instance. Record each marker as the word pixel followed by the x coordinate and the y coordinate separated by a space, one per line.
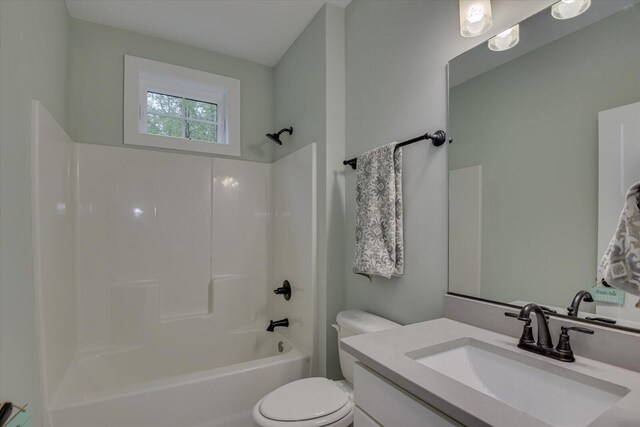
pixel 546 391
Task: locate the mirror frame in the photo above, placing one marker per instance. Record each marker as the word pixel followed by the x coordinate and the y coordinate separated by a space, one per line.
pixel 500 303
pixel 557 315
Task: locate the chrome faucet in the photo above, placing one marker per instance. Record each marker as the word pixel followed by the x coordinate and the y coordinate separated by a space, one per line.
pixel 274 324
pixel 575 304
pixel 544 345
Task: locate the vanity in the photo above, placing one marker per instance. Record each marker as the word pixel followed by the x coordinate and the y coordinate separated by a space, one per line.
pixel 546 141
pixel 447 373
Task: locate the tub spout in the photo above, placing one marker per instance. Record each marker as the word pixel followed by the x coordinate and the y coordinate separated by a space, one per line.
pixel 274 324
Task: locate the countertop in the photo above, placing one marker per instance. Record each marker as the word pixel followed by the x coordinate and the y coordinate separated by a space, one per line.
pixel 385 353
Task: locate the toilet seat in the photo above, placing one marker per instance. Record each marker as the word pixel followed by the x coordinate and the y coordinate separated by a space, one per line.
pixel 305 403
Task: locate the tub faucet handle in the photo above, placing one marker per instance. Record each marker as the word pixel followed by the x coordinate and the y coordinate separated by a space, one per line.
pixel 285 290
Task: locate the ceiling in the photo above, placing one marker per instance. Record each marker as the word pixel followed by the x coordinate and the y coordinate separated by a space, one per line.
pixel 256 30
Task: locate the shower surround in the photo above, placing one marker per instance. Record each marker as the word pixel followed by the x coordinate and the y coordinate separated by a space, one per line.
pixel 154 279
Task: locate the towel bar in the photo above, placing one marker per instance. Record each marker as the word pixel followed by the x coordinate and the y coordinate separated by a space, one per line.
pixel 437 139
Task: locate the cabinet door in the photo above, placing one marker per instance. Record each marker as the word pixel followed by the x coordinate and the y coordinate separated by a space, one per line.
pixel 389 405
pixel 360 419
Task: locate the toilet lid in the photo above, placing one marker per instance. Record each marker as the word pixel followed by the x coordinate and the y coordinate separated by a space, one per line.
pixel 303 400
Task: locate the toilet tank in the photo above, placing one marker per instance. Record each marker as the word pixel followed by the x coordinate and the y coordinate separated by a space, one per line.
pixel 356 322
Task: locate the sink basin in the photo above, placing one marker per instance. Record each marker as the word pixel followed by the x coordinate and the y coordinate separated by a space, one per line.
pixel 546 391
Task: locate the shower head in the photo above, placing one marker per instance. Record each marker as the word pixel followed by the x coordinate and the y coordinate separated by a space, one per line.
pixel 275 137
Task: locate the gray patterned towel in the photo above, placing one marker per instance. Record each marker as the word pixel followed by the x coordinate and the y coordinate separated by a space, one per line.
pixel 620 265
pixel 379 243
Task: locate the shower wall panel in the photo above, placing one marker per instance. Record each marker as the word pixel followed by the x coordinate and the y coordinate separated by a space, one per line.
pixel 165 230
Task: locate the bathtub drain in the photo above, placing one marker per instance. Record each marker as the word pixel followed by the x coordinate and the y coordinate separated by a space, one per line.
pixel 280 346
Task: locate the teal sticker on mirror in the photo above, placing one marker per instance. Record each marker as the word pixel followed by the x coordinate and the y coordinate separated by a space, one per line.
pixel 609 295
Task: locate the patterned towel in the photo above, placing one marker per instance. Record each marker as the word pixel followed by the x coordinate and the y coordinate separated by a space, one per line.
pixel 620 265
pixel 379 243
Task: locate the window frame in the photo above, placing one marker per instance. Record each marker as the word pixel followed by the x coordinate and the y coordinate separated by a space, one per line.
pixel 144 75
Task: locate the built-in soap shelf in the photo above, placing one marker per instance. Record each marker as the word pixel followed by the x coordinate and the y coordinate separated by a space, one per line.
pixel 182 317
pixel 137 305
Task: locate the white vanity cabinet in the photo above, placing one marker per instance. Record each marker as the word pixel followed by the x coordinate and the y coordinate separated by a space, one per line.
pixel 379 402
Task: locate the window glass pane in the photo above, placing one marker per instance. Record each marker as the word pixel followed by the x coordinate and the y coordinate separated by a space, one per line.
pixel 201 131
pixel 165 104
pixel 164 125
pixel 200 110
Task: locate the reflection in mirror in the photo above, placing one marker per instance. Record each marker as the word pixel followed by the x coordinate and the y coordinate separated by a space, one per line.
pixel 547 143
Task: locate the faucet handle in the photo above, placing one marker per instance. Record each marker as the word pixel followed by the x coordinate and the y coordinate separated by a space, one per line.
pixel 527 331
pixel 565 353
pixel 516 316
pixel 285 290
pixel 523 319
pixel 565 329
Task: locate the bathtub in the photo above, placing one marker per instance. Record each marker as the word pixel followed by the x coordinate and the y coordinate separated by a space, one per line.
pixel 177 385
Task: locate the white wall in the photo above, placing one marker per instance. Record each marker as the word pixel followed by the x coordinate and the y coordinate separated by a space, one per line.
pixel 175 231
pixel 33 65
pixel 53 189
pixel 293 243
pixel 396 54
pixel 166 247
pixel 241 236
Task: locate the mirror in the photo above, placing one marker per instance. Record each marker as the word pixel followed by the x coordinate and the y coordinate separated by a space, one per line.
pixel 546 144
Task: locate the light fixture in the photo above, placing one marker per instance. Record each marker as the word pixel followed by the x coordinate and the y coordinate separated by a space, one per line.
pixel 475 17
pixel 567 9
pixel 506 39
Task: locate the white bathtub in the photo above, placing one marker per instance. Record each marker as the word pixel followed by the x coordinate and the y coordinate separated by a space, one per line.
pixel 175 385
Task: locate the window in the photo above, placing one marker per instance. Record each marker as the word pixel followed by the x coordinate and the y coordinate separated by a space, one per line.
pixel 169 115
pixel 173 107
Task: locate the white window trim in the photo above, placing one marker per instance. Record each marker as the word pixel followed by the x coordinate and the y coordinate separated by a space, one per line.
pixel 141 75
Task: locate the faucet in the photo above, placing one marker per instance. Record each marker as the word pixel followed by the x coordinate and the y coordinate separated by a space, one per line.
pixel 575 304
pixel 544 345
pixel 544 337
pixel 274 324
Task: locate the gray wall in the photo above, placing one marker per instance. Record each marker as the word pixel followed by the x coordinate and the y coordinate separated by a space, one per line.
pixel 308 77
pixel 33 65
pixel 532 124
pixel 335 185
pixel 300 83
pixel 396 54
pixel 300 101
pixel 96 59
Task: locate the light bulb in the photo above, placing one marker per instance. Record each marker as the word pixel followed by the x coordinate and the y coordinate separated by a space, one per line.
pixel 475 13
pixel 567 9
pixel 505 40
pixel 475 17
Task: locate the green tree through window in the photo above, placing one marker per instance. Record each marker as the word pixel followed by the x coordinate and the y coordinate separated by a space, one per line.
pixel 178 117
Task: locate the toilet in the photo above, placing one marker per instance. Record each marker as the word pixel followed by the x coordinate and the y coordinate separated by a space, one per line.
pixel 320 402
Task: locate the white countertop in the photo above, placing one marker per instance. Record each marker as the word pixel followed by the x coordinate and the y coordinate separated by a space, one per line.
pixel 385 353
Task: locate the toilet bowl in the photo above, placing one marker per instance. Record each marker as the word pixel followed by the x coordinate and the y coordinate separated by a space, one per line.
pixel 317 402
